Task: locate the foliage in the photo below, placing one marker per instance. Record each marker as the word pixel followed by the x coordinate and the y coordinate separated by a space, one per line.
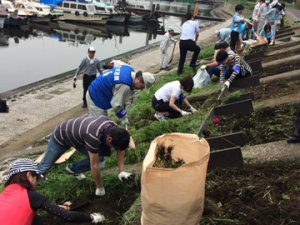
pixel 207 52
pixel 164 158
pixel 232 97
pixel 133 215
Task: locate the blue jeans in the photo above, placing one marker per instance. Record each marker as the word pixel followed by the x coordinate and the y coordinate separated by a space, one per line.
pixel 55 150
pixel 216 71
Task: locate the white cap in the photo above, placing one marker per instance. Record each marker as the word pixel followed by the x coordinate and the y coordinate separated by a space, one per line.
pixel 92 49
pixel 216 33
pixel 267 1
pixel 148 81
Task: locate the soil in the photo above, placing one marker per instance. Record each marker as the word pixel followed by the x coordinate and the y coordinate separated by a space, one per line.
pixel 274 89
pixel 259 127
pixel 254 196
pixel 267 59
pixel 278 69
pixel 112 206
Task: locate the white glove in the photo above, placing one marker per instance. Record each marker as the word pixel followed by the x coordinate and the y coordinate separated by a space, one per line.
pixel 271 43
pixel 184 113
pixel 125 121
pixel 192 109
pixel 124 175
pixel 100 191
pixel 203 67
pixel 98 218
pixel 227 84
pixel 75 78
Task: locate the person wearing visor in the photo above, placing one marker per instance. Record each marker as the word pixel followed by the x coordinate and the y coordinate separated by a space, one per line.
pixel 167 101
pixel 114 88
pixel 19 202
pixel 91 65
pixel 93 137
pixel 164 45
pixel 223 34
pixel 236 68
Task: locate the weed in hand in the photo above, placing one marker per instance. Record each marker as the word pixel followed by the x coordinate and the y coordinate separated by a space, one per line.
pixel 164 158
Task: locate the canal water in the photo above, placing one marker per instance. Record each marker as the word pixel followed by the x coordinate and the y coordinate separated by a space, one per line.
pixel 35 52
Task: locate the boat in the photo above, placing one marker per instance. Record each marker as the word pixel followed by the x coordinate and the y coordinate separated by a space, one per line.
pixel 47 9
pixel 14 19
pixel 26 6
pixel 78 12
pixel 116 18
pixel 11 9
pixel 135 19
pixel 3 15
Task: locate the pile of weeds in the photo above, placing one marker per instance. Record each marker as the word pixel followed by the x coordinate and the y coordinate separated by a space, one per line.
pixel 164 158
pixel 232 97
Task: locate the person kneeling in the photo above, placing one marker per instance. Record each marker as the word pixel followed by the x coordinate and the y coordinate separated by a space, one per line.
pixel 236 66
pixel 269 34
pixel 167 101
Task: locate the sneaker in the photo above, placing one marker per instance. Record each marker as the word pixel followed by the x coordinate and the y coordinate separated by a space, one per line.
pixel 159 117
pixel 78 176
pixel 293 140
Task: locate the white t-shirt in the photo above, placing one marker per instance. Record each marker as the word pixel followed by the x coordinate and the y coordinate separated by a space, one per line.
pixel 171 89
pixel 255 8
pixel 188 30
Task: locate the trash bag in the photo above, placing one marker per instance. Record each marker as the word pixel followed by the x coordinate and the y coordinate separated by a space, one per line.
pixel 3 106
pixel 175 196
pixel 201 79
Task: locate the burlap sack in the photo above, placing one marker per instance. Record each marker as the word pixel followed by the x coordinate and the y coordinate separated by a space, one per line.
pixel 259 41
pixel 175 196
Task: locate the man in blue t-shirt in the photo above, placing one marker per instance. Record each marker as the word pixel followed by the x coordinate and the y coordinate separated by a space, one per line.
pixel 113 88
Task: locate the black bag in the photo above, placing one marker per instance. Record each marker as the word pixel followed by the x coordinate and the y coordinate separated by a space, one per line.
pixel 3 106
pixel 108 66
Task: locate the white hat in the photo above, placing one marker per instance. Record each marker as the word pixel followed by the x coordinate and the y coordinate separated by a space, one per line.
pixel 92 49
pixel 148 81
pixel 216 33
pixel 267 1
pixel 171 28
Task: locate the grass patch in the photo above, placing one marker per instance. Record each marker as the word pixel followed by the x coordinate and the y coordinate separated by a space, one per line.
pixel 207 52
pixel 133 215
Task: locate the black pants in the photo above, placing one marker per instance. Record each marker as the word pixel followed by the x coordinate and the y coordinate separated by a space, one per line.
pixel 161 106
pixel 234 38
pixel 87 80
pixel 187 45
pixel 37 220
pixel 297 129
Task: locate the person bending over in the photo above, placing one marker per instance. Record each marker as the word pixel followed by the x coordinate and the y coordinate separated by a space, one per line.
pixel 269 34
pixel 213 68
pixel 167 101
pixel 238 68
pixel 19 202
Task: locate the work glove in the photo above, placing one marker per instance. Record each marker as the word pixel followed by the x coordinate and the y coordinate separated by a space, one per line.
pixel 125 121
pixel 100 191
pixel 203 67
pixel 184 113
pixel 75 78
pixel 192 109
pixel 98 218
pixel 123 175
pixel 227 84
pixel 271 43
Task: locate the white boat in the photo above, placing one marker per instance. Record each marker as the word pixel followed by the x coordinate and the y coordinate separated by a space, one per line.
pixel 25 6
pixel 47 9
pixel 79 12
pixel 11 9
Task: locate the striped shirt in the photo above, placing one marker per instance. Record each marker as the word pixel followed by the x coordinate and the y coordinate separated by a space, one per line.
pixel 232 61
pixel 85 131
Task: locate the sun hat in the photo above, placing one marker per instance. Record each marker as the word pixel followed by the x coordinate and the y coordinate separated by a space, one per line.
pixel 148 81
pixel 216 33
pixel 171 28
pixel 24 165
pixel 92 49
pixel 267 1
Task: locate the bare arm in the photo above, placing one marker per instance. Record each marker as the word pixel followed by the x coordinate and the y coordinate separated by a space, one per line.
pixel 120 159
pixel 94 158
pixel 196 37
pixel 211 64
pixel 244 20
pixel 172 104
pixel 186 102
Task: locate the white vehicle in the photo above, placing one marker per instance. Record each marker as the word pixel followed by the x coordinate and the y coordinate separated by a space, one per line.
pixel 28 7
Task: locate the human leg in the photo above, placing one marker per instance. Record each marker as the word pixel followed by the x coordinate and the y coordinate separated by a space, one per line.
pixel 192 46
pixel 93 109
pixel 53 152
pixel 213 70
pixel 161 60
pixel 234 38
pixel 166 59
pixel 183 52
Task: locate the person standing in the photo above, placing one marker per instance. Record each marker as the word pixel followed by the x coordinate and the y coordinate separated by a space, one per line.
pixel 189 36
pixel 114 88
pixel 91 65
pixel 93 137
pixel 164 45
pixel 237 27
pixel 263 9
pixel 19 202
pixel 255 14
